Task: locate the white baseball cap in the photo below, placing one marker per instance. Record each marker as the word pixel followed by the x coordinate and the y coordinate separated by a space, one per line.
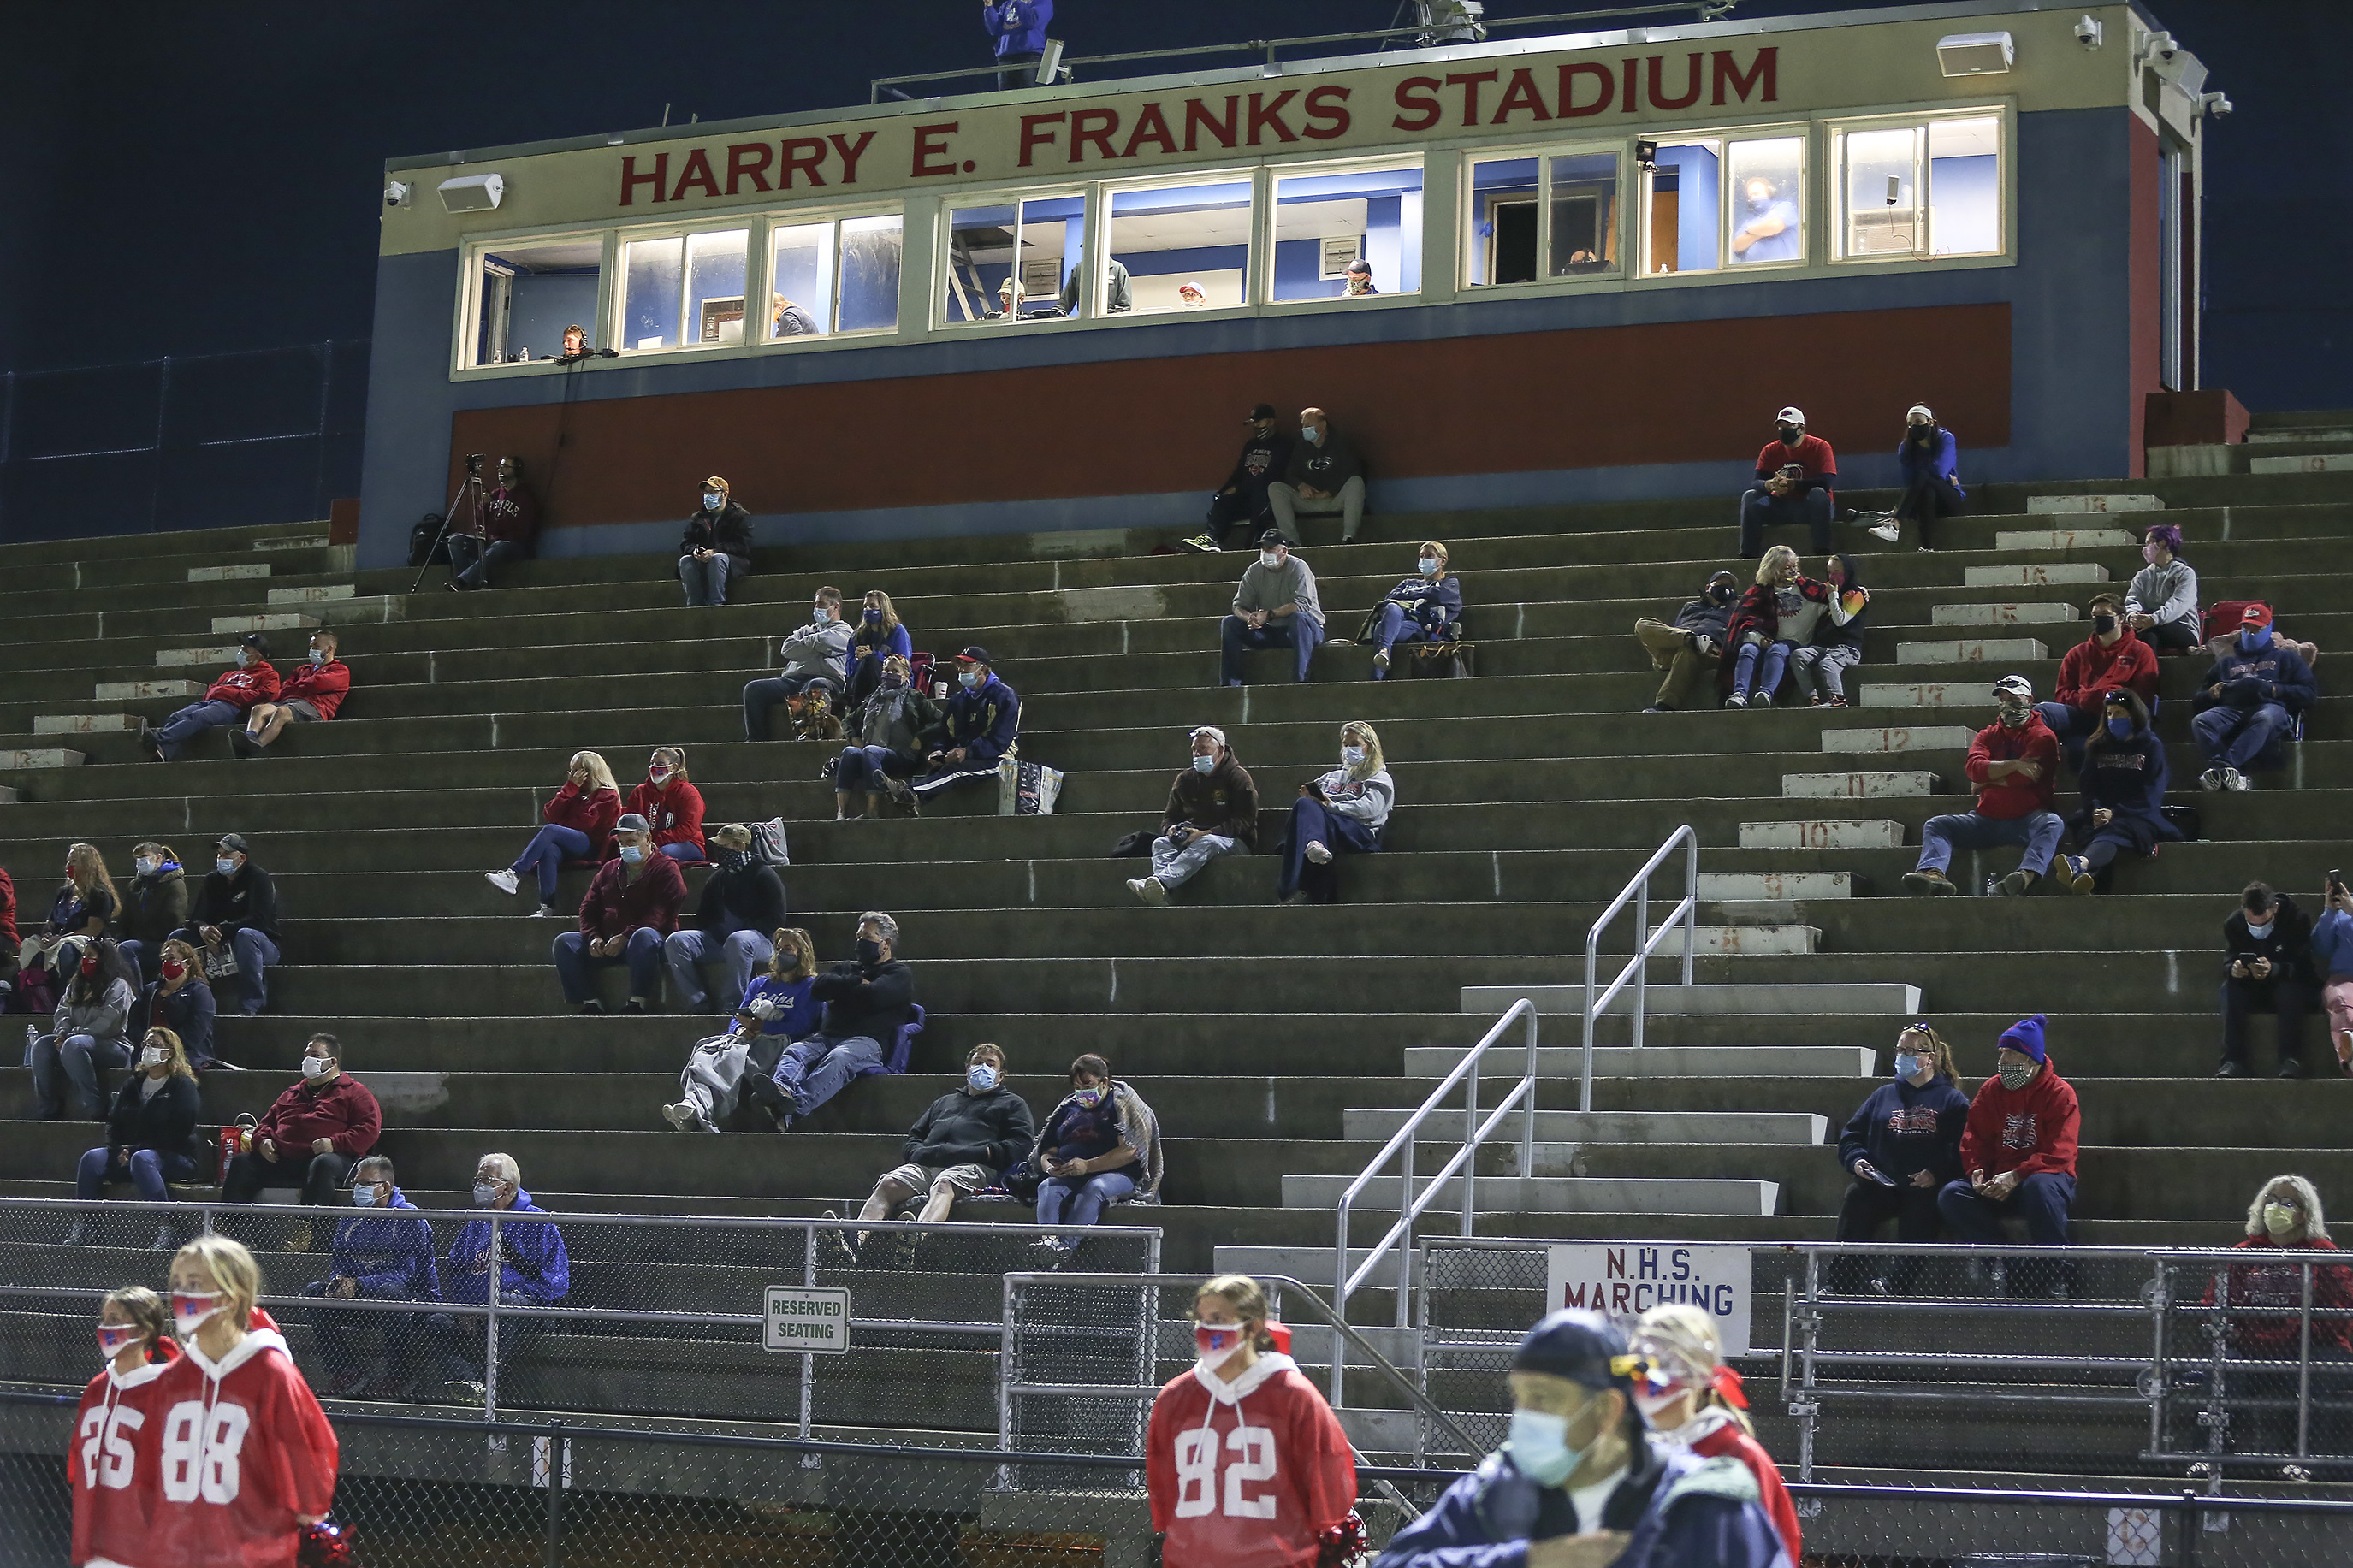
pixel 1790 417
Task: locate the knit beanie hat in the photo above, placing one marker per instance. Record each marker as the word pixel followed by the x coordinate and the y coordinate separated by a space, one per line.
pixel 2026 1036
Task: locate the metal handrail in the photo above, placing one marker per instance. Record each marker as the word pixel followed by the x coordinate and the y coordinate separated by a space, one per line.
pixel 1409 1208
pixel 1686 914
pixel 1701 10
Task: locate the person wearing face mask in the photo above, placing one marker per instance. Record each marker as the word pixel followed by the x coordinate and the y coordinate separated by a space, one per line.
pixel 2017 1151
pixel 1100 1146
pixel 1769 229
pixel 311 695
pixel 717 546
pixel 150 1133
pixel 982 728
pixel 742 902
pixel 1901 1147
pixel 1427 609
pixel 375 1257
pixel 816 655
pixel 2247 703
pixel 117 1431
pixel 2332 965
pixel 671 806
pixel 1324 474
pixel 2266 967
pixel 180 1001
pixel 2161 603
pixel 962 1143
pixel 85 910
pixel 1275 606
pixel 1773 619
pixel 1693 642
pixel 311 1135
pixel 1241 502
pixel 235 921
pixel 154 905
pixel 1687 1395
pixel 2114 656
pixel 1358 283
pixel 2287 1233
pixel 866 1002
pixel 578 824
pixel 1795 474
pixel 11 943
pixel 1583 1484
pixel 532 1266
pixel 2013 764
pixel 226 702
pixel 2123 772
pixel 629 910
pixel 506 525
pixel 1341 812
pixel 1819 667
pixel 1930 460
pixel 878 638
pixel 886 742
pixel 722 1069
pixel 1212 810
pixel 1245 1463
pixel 87 1036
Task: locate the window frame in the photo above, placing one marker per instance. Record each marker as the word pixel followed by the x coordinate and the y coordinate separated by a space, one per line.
pixel 1810 220
pixel 1835 128
pixel 954 201
pixel 470 295
pixel 1100 198
pixel 1542 152
pixel 686 231
pixel 760 274
pixel 1272 173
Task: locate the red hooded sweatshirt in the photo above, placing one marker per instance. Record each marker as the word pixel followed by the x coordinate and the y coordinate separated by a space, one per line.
pixel 243 1450
pixel 2014 796
pixel 591 814
pixel 2278 1281
pixel 323 686
pixel 115 1437
pixel 242 688
pixel 2090 672
pixel 674 812
pixel 344 1111
pixel 1715 1432
pixel 1246 1474
pixel 2029 1130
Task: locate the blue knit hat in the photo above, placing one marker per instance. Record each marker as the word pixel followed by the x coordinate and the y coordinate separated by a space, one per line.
pixel 1584 1347
pixel 2026 1036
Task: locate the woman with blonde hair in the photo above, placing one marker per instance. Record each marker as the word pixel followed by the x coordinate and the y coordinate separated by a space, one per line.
pixel 150 1133
pixel 1425 609
pixel 579 824
pixel 875 638
pixel 1774 618
pixel 118 1424
pixel 671 806
pixel 179 999
pixel 887 734
pixel 1901 1146
pixel 1341 812
pixel 85 905
pixel 1686 1393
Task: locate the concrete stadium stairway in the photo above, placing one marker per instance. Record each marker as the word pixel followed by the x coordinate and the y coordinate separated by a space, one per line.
pixel 1279 1045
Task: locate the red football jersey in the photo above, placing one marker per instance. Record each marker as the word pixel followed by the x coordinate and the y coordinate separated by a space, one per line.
pixel 113 1445
pixel 1245 1474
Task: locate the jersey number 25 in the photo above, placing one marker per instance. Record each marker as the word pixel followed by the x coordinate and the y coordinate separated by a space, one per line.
pixel 101 1432
pixel 1196 1472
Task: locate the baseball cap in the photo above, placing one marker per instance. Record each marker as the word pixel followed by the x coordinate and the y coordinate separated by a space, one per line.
pixel 1581 1346
pixel 1195 285
pixel 2014 685
pixel 735 836
pixel 235 841
pixel 1790 415
pixel 254 641
pixel 975 654
pixel 1263 411
pixel 1923 410
pixel 633 823
pixel 714 483
pixel 2256 616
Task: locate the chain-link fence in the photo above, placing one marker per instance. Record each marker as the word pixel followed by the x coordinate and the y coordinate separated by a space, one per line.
pixel 1954 1527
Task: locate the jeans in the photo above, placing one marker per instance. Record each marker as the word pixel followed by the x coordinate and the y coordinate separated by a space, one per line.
pixel 816 1069
pixel 321 1176
pixel 761 698
pixel 1773 655
pixel 2043 1200
pixel 1759 511
pixel 740 951
pixel 461 1344
pixel 1822 671
pixel 2039 832
pixel 2237 737
pixel 2285 999
pixel 706 581
pixel 254 953
pixel 545 855
pixel 147 1172
pixel 193 720
pixel 1085 1196
pixel 470 559
pixel 1286 503
pixel 643 954
pixel 1015 72
pixel 1389 628
pixel 1312 822
pixel 861 769
pixel 1173 868
pixel 1676 651
pixel 142 958
pixel 77 1059
pixel 684 853
pixel 1927 499
pixel 1296 633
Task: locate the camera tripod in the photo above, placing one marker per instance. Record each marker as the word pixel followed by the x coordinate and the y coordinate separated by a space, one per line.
pixel 469 496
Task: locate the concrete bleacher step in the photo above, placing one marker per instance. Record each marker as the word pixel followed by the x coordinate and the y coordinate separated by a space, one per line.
pixel 1858 786
pixel 1851 998
pixel 1972 650
pixel 2014 613
pixel 141 691
pixel 1852 742
pixel 310 541
pixel 1752 940
pixel 317 593
pixel 1548 1195
pixel 182 657
pixel 1865 834
pixel 1978 693
pixel 84 723
pixel 2062 539
pixel 2061 504
pixel 2306 463
pixel 37 757
pixel 234 573
pixel 2033 574
pixel 1753 887
pixel 1567 1061
pixel 1377 1125
pixel 281 622
pixel 1379 1433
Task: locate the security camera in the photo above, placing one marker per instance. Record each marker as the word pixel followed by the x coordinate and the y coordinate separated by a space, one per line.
pixel 2160 47
pixel 2215 105
pixel 396 194
pixel 2087 31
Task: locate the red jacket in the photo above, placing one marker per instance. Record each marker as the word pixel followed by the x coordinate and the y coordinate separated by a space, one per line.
pixel 321 685
pixel 1248 1478
pixel 2090 672
pixel 243 1452
pixel 2013 796
pixel 1722 1435
pixel 345 1111
pixel 675 812
pixel 1759 609
pixel 592 815
pixel 244 688
pixel 2281 1285
pixel 117 1434
pixel 2028 1131
pixel 8 907
pixel 1811 454
pixel 616 908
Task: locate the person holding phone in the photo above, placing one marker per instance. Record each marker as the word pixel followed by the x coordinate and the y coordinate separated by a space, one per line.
pixel 1341 812
pixel 2267 959
pixel 1901 1147
pixel 2332 962
pixel 1794 475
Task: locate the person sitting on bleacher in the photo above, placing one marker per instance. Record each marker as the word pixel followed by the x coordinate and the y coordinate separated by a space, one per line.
pixel 671 805
pixel 1324 474
pixel 88 1034
pixel 309 696
pixel 375 1257
pixel 2013 764
pixel 507 525
pixel 2123 771
pixel 717 546
pixel 815 656
pixel 224 703
pixel 718 1069
pixel 2266 967
pixel 1340 813
pixel 878 638
pixel 2114 656
pixel 983 728
pixel 1901 1147
pixel 887 736
pixel 179 999
pixel 11 943
pixel 1212 810
pixel 1795 474
pixel 743 901
pixel 1773 619
pixel 963 1144
pixel 1930 460
pixel 150 1133
pixel 311 1135
pixel 532 1270
pixel 630 909
pixel 2249 699
pixel 1427 609
pixel 1275 606
pixel 2017 1154
pixel 2288 1218
pixel 1100 1146
pixel 1819 666
pixel 84 911
pixel 1241 502
pixel 236 921
pixel 1695 641
pixel 154 906
pixel 579 824
pixel 2162 603
pixel 866 1002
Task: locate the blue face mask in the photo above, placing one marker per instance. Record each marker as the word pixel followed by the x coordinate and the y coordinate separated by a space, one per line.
pixel 1311 435
pixel 1540 1447
pixel 1429 564
pixel 714 501
pixel 1352 755
pixel 981 1077
pixel 1906 1064
pixel 2120 728
pixel 2255 639
pixel 363 1197
pixel 874 618
pixel 632 852
pixel 1204 764
pixel 971 677
pixel 225 866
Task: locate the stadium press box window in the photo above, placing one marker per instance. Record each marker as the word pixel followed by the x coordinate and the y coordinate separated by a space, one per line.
pixel 1330 214
pixel 1185 246
pixel 1724 203
pixel 527 291
pixel 684 291
pixel 1541 215
pixel 1912 191
pixel 834 278
pixel 1008 257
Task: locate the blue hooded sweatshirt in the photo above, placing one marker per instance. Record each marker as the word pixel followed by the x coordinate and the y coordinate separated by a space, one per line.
pixel 1902 1130
pixel 535 1269
pixel 2273 673
pixel 1018 26
pixel 391 1258
pixel 2127 777
pixel 984 720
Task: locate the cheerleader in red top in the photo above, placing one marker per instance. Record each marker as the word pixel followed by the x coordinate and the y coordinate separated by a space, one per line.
pixel 1689 1396
pixel 1247 1465
pixel 115 1430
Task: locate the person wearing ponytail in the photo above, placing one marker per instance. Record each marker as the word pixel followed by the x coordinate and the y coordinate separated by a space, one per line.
pixel 2123 773
pixel 118 1429
pixel 2162 603
pixel 1686 1393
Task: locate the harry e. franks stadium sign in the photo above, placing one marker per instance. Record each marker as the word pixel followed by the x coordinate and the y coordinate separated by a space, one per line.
pixel 1034 142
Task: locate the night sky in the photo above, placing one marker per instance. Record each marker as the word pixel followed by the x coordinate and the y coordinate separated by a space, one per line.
pixel 185 179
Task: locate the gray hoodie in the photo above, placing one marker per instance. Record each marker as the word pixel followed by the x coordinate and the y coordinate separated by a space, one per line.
pixel 1292 584
pixel 2164 594
pixel 818 650
pixel 103 1020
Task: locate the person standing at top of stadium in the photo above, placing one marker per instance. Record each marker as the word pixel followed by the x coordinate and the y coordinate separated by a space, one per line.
pixel 1247 1465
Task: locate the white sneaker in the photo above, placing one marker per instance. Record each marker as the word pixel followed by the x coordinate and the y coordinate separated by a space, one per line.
pixel 1736 700
pixel 680 1116
pixel 2232 779
pixel 1150 890
pixel 504 882
pixel 2210 779
pixel 1381 659
pixel 1317 853
pixel 1762 700
pixel 1889 532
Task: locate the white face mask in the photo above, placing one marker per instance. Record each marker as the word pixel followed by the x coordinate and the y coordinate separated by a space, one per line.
pixel 714 501
pixel 225 866
pixel 1540 1447
pixel 1649 1404
pixel 2258 931
pixel 245 656
pixel 316 1067
pixel 1215 1344
pixel 363 1197
pixel 1205 765
pixel 147 867
pixel 1270 560
pixel 820 615
pixel 631 854
pixel 1352 755
pixel 153 1056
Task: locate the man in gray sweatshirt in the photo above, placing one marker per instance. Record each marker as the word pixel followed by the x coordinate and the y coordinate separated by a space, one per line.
pixel 1275 606
pixel 817 655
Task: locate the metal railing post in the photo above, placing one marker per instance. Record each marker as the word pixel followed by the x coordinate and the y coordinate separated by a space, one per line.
pixel 2161 1371
pixel 491 1334
pixel 1470 1172
pixel 557 1469
pixel 809 1360
pixel 1691 920
pixel 2217 1417
pixel 1642 954
pixel 1528 1111
pixel 1585 1093
pixel 2303 1367
pixel 1808 1409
